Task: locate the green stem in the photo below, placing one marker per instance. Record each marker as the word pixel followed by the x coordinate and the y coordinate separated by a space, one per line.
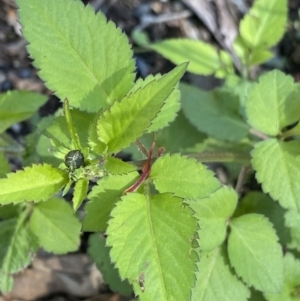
pixel 70 123
pixel 295 131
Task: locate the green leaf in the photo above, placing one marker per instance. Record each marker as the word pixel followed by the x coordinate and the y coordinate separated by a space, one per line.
pixel 80 192
pixel 151 245
pixel 258 202
pixel 185 177
pixel 292 221
pixel 100 255
pixel 56 226
pixel 215 113
pixel 17 247
pixel 59 131
pixel 35 183
pixel 103 198
pixel 212 214
pixel 204 58
pixel 259 56
pixel 255 253
pixel 4 165
pixel 6 283
pixel 216 281
pixel 16 106
pixel 128 119
pixel 81 55
pixel 273 103
pixel 291 289
pixel 117 166
pixel 264 24
pixel 168 111
pixel 277 168
pixel 9 211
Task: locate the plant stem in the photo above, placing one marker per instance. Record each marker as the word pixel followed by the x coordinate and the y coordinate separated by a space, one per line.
pixel 241 178
pixel 295 131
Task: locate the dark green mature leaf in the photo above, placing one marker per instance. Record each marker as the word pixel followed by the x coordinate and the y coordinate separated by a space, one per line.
pixel 100 255
pixel 127 120
pixel 212 214
pixel 215 113
pixel 151 245
pixel 291 289
pixel 264 24
pixel 83 57
pixel 204 58
pixel 56 226
pixel 185 177
pixel 277 168
pixel 216 281
pixel 103 198
pixel 36 183
pixel 18 244
pixel 273 103
pixel 292 221
pixel 258 202
pixel 255 253
pixel 16 106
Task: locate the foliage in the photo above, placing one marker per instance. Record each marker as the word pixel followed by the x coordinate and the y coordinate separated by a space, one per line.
pixel 170 230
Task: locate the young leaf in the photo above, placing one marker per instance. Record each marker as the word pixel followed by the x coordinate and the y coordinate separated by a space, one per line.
pixel 215 280
pixel 82 57
pixel 36 183
pixel 212 214
pixel 151 245
pixel 80 192
pixel 273 103
pixel 100 255
pixel 276 164
pixel 215 113
pixel 18 244
pixel 103 198
pixel 204 58
pixel 291 289
pixel 264 25
pixel 117 166
pixel 16 106
pixel 185 177
pixel 4 166
pixel 128 119
pixel 169 110
pixel 255 253
pixel 56 226
pixel 292 221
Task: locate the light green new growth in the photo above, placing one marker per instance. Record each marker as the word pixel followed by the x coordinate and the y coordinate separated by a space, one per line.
pixel 117 166
pixel 255 253
pixel 185 177
pixel 277 167
pixel 216 281
pixel 273 103
pixel 264 25
pixel 103 198
pixel 80 192
pixel 127 120
pixel 83 57
pixel 36 183
pixel 213 214
pixel 16 106
pixel 56 226
pixel 151 245
pixel 204 58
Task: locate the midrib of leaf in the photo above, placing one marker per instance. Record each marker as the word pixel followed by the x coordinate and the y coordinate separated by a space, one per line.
pixel 253 255
pixel 154 245
pixel 75 52
pixel 209 273
pixel 53 224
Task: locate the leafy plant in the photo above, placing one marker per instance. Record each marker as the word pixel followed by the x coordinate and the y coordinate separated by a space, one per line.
pixel 174 231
